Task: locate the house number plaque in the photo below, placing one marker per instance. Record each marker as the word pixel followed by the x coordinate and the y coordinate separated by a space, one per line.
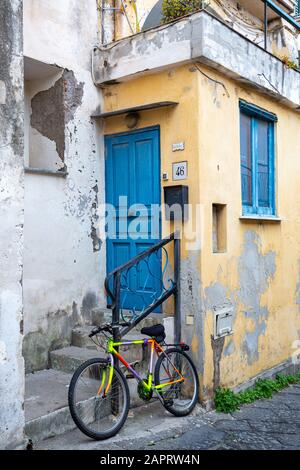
pixel 180 171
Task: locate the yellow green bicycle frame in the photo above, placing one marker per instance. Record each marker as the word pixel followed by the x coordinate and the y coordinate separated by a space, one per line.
pixel 113 353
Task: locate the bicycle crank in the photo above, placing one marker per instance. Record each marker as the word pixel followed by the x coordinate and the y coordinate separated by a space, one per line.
pixel 143 392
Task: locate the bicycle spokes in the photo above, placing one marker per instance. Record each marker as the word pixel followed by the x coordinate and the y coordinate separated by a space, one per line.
pixel 176 379
pixel 99 397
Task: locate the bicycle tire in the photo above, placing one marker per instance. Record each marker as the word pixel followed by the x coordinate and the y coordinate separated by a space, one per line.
pixel 168 407
pixel 73 409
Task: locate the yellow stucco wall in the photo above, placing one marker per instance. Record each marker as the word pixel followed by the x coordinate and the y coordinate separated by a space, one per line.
pixel 177 124
pixel 258 275
pixel 262 258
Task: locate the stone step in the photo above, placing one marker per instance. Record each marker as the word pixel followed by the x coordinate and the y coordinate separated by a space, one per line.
pixel 80 334
pixel 134 352
pixel 80 337
pixel 46 404
pixel 69 359
pixel 101 316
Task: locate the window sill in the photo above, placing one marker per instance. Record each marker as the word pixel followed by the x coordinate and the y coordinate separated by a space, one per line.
pixel 39 171
pixel 260 218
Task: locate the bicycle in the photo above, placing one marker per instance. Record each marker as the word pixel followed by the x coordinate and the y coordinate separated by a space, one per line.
pixel 99 396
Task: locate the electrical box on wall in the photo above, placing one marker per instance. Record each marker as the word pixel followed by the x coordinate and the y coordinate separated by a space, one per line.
pixel 223 322
pixel 177 199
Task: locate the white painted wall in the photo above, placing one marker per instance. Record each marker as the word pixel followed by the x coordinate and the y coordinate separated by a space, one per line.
pixel 61 268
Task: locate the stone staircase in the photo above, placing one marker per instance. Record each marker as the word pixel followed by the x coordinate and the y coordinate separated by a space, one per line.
pixel 46 404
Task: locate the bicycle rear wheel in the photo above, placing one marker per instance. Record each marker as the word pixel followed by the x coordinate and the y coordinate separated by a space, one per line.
pixel 180 396
pixel 97 414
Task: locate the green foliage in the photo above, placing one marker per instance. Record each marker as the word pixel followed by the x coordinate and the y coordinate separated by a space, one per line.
pixel 289 63
pixel 226 401
pixel 173 9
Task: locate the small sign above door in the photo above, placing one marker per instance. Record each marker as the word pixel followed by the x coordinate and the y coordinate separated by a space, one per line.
pixel 178 146
pixel 180 171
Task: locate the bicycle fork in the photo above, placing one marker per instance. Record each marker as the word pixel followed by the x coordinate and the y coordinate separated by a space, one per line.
pixel 110 378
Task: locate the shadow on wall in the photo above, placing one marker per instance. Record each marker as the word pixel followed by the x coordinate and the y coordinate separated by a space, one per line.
pixel 155 17
pixel 57 334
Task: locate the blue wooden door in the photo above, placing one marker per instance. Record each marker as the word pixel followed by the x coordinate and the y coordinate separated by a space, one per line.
pixel 132 187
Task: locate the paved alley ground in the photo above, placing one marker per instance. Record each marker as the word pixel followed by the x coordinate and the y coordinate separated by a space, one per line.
pixel 265 424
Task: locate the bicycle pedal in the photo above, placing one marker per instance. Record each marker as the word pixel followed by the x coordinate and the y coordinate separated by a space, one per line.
pixel 129 376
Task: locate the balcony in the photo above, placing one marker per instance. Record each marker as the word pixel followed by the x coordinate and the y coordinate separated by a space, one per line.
pixel 202 38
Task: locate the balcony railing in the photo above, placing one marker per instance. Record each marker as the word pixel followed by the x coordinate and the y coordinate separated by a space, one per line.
pixel 269 4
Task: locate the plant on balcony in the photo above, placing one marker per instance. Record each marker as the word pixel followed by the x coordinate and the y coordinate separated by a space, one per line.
pixel 173 9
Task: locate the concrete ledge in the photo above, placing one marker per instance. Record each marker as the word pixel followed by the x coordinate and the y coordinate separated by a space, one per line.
pixel 55 423
pixel 39 171
pixel 197 38
pixel 284 368
pixel 260 219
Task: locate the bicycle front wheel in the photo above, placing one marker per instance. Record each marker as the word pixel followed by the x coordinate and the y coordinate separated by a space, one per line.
pixel 176 374
pixel 97 408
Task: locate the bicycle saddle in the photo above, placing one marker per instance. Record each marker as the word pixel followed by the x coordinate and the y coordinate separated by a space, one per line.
pixel 156 331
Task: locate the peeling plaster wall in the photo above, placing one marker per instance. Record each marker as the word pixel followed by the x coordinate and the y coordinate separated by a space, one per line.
pixel 41 148
pixel 64 263
pixel 11 226
pixel 258 276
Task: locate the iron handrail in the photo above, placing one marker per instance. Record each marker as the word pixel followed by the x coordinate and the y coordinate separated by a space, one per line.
pixel 114 294
pixel 134 261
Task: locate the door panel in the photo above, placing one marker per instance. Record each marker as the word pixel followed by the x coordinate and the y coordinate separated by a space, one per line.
pixel 133 172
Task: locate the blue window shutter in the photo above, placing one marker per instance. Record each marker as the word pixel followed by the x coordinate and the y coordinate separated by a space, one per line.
pixel 246 160
pixel 257 160
pixel 263 164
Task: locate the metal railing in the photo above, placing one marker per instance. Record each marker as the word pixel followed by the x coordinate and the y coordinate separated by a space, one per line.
pixel 273 6
pixel 117 286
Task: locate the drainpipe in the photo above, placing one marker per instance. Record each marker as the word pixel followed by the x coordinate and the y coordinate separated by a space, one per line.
pixel 266 26
pixel 108 20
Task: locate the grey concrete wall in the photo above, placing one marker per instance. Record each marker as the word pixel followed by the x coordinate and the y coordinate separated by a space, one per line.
pixel 11 224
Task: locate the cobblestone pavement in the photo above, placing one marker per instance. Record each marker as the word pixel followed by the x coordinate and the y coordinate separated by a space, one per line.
pixel 265 424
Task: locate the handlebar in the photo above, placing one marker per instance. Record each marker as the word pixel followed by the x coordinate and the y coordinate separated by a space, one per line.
pixel 109 328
